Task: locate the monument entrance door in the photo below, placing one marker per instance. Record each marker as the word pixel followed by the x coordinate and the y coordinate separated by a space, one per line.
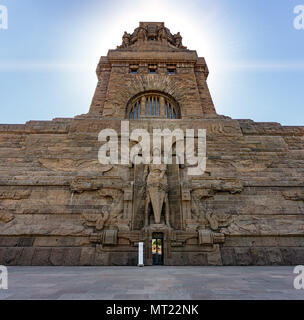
pixel 158 249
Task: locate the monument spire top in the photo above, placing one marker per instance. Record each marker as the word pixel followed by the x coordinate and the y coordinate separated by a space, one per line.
pixel 149 32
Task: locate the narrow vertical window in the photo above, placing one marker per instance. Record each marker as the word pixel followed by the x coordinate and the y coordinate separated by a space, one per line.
pixel 151 107
pixel 138 110
pixel 134 112
pixel 154 103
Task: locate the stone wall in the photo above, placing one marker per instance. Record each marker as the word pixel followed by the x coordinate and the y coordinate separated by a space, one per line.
pixel 53 190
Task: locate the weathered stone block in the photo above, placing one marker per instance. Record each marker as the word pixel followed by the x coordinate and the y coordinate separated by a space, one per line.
pixel 274 256
pixel 12 256
pixel 26 242
pixel 228 256
pixel 41 257
pixel 87 257
pixel 72 256
pixel 243 257
pixel 57 257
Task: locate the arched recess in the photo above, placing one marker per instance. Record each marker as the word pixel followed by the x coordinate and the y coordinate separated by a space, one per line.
pixel 152 104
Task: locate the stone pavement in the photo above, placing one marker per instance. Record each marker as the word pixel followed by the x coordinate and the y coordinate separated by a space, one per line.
pixel 105 283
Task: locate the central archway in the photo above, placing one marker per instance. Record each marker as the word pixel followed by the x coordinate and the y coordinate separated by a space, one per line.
pixel 149 105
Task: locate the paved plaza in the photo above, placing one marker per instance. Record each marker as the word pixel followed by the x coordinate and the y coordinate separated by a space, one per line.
pixel 159 283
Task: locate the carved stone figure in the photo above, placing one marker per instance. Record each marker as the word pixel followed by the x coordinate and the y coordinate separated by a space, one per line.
pixel 162 35
pixel 126 40
pixel 149 33
pixel 210 226
pixel 6 217
pixel 178 40
pixel 142 34
pixel 157 193
pixel 109 215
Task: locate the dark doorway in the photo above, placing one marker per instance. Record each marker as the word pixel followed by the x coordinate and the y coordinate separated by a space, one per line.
pixel 158 249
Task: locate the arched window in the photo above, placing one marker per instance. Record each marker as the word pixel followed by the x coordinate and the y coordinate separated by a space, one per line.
pixel 153 105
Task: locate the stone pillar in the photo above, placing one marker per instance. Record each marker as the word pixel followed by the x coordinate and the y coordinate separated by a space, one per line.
pixel 162 107
pixel 143 69
pixel 186 205
pixel 128 199
pixel 143 107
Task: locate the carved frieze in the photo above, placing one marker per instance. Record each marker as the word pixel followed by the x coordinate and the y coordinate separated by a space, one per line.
pixel 10 194
pixel 294 195
pixel 84 183
pixel 110 214
pixel 113 213
pixel 6 217
pixel 202 217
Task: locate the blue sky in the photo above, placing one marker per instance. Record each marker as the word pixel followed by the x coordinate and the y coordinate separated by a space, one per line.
pixel 49 53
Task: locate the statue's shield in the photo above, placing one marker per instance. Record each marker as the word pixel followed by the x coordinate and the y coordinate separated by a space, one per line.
pixel 157 198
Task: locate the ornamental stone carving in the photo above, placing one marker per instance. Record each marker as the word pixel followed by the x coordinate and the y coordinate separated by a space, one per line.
pixel 152 32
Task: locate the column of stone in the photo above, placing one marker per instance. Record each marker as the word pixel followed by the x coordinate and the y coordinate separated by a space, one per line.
pixel 143 107
pixel 162 107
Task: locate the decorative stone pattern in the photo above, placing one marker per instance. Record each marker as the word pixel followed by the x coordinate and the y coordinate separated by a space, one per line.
pixel 60 206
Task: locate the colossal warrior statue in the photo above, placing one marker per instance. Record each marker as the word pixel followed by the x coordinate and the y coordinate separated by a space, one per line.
pixel 157 193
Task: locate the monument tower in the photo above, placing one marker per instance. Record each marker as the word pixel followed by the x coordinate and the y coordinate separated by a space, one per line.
pixel 60 206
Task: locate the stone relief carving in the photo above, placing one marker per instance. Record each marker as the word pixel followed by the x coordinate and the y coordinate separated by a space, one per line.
pixel 6 217
pixel 214 185
pixel 126 40
pixel 258 226
pixel 81 183
pixel 156 193
pixel 178 40
pixel 15 194
pixel 68 165
pixel 162 34
pixel 152 32
pixel 294 195
pixel 208 237
pixel 211 227
pixel 142 34
pixel 110 214
pixel 251 165
pixel 203 214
